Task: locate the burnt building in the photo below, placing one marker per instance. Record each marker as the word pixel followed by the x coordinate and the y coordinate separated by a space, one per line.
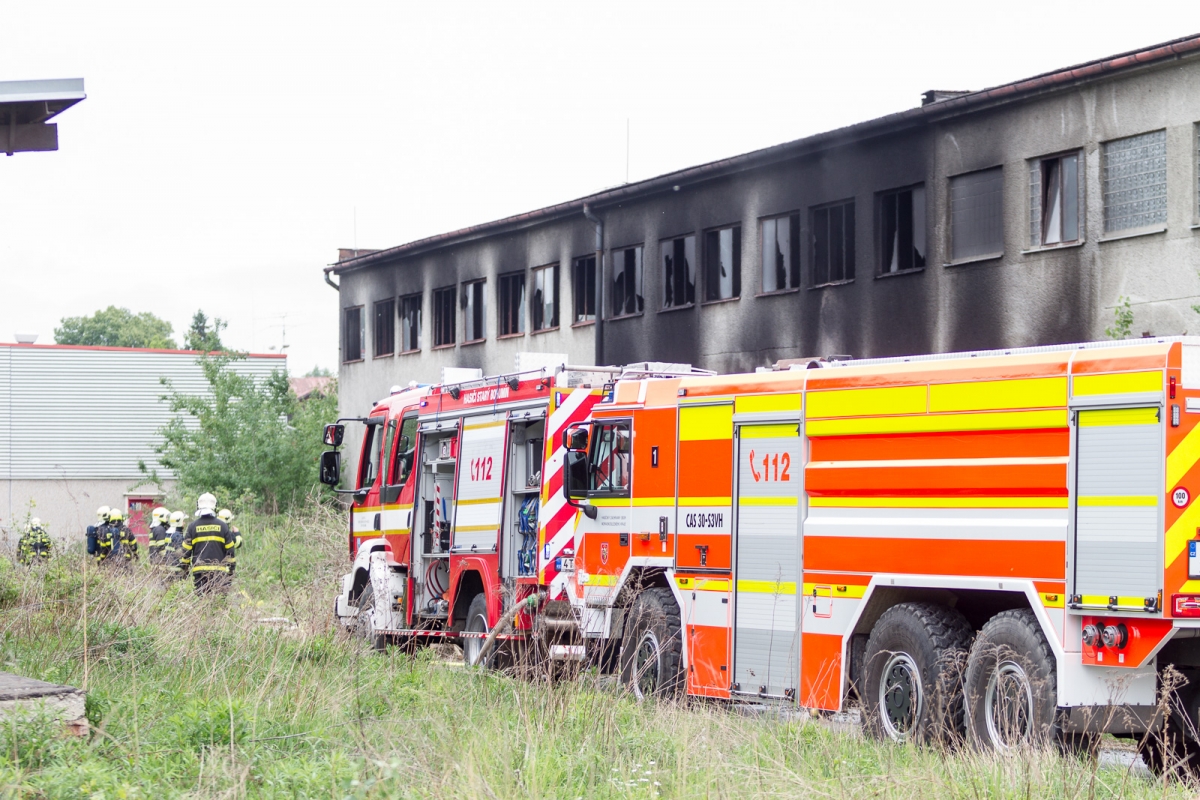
pixel 1029 213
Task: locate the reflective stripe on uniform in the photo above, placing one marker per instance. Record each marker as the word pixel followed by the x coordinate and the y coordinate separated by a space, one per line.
pixel 199 539
pixel 210 568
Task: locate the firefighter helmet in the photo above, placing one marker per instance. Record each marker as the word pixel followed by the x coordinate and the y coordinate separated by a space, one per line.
pixel 36 522
pixel 115 515
pixel 160 514
pixel 102 513
pixel 178 517
pixel 225 515
pixel 206 504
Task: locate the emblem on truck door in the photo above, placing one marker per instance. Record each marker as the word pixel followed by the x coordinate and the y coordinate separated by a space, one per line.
pixel 604 553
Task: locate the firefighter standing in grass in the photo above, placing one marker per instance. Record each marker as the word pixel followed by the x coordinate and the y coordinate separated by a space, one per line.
pixel 227 517
pixel 107 542
pixel 208 548
pixel 174 548
pixel 160 537
pixel 93 548
pixel 34 544
pixel 121 539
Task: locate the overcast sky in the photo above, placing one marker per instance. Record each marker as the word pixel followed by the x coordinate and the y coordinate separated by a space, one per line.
pixel 227 150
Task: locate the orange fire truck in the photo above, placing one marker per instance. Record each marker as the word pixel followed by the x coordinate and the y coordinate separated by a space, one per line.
pixel 458 516
pixel 1002 544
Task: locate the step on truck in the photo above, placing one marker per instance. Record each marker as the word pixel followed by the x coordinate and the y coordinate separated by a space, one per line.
pixel 1002 546
pixel 457 517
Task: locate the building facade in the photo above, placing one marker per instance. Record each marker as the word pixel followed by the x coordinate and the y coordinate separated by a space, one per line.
pixel 1030 213
pixel 75 422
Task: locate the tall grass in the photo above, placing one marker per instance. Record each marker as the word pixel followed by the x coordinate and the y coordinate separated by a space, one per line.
pixel 205 698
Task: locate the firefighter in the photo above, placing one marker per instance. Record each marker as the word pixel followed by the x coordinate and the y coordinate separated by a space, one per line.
pixel 107 543
pixel 175 544
pixel 34 544
pixel 159 536
pixel 121 538
pixel 208 548
pixel 93 548
pixel 226 516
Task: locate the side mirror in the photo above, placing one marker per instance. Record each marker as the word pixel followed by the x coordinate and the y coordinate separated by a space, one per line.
pixel 334 434
pixel 331 464
pixel 575 439
pixel 575 475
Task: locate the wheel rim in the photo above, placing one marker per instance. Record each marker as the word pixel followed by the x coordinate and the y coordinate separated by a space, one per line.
pixel 473 645
pixel 1008 706
pixel 901 696
pixel 647 666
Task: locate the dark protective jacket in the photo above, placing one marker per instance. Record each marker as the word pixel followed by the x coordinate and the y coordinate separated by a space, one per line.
pixel 128 542
pixel 208 545
pixel 105 542
pixel 34 545
pixel 160 538
pixel 174 550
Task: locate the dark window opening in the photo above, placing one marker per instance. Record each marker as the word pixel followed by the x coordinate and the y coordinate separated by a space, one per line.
pixel 583 288
pixel 402 461
pixel 444 314
pixel 545 297
pixel 781 253
pixel 609 473
pixel 474 311
pixel 410 322
pixel 902 230
pixel 723 264
pixel 353 334
pixel 679 271
pixel 977 214
pixel 368 467
pixel 1054 200
pixel 385 327
pixel 512 304
pixel 833 243
pixel 627 295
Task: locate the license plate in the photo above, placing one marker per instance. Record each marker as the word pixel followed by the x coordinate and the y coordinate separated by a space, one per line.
pixel 566 564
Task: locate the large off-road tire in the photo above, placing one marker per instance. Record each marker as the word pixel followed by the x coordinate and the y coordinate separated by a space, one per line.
pixel 912 673
pixel 364 626
pixel 1011 685
pixel 476 622
pixel 651 650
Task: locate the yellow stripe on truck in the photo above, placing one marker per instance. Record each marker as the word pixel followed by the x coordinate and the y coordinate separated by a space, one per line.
pixel 940 423
pixel 1183 457
pixel 866 402
pixel 1117 383
pixel 767 403
pixel 990 395
pixel 705 422
pixel 1118 417
pixel 1122 500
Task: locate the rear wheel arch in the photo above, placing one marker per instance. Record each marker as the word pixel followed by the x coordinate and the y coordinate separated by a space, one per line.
pixel 470 583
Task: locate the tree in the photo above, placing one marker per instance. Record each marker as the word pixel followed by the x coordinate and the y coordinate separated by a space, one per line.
pixel 203 337
pixel 1122 327
pixel 248 441
pixel 116 327
pixel 319 372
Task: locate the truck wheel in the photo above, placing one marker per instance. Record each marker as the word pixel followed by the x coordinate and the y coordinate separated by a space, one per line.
pixel 652 647
pixel 477 622
pixel 364 620
pixel 912 673
pixel 1011 684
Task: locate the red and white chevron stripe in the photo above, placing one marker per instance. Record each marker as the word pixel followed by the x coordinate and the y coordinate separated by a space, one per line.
pixel 556 519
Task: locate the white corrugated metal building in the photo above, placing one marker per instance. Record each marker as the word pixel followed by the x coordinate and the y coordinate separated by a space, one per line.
pixel 75 422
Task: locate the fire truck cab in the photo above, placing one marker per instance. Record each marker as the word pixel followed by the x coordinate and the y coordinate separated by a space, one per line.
pixel 996 545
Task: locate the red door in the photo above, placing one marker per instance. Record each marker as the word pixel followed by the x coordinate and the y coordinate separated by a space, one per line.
pixel 137 517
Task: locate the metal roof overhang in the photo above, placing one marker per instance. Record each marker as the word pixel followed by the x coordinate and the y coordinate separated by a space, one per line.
pixel 26 108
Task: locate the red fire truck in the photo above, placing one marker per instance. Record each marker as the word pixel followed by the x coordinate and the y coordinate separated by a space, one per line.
pixel 458 514
pixel 1000 545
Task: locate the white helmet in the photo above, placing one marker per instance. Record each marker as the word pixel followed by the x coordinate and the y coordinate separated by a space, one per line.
pixel 225 515
pixel 177 518
pixel 160 514
pixel 206 504
pixel 102 513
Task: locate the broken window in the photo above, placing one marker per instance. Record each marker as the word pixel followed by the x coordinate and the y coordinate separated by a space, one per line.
pixel 1135 182
pixel 545 298
pixel 410 323
pixel 781 253
pixel 352 334
pixel 977 214
pixel 833 243
pixel 902 229
pixel 512 304
pixel 444 316
pixel 679 271
pixel 627 282
pixel 474 311
pixel 385 327
pixel 1054 200
pixel 583 287
pixel 723 264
